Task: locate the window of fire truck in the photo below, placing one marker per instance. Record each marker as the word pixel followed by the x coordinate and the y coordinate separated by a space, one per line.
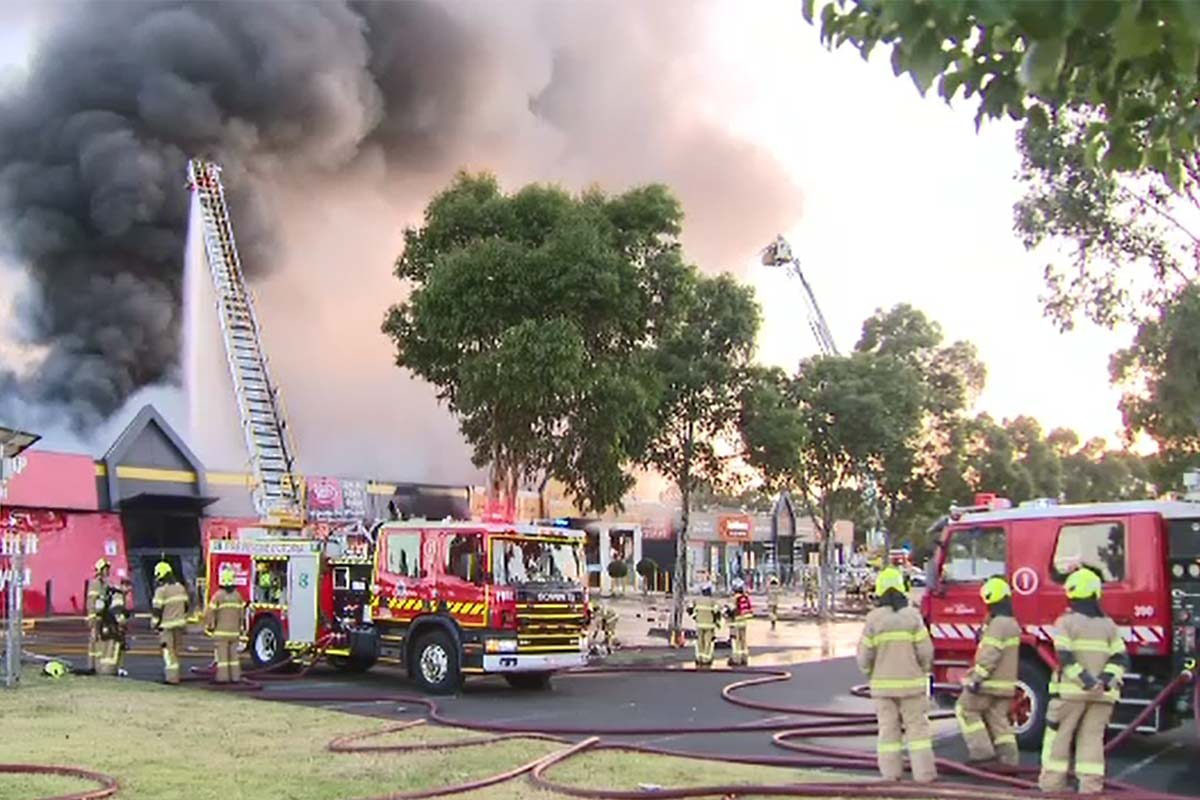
pixel 975 554
pixel 1099 546
pixel 464 557
pixel 517 561
pixel 402 554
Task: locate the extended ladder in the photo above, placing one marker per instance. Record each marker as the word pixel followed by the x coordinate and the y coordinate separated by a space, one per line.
pixel 277 493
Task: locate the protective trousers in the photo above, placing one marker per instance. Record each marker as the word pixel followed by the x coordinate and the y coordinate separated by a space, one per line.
pixel 983 721
pixel 172 643
pixel 740 652
pixel 705 641
pixel 229 668
pixel 1082 724
pixel 95 644
pixel 900 718
pixel 773 613
pixel 112 654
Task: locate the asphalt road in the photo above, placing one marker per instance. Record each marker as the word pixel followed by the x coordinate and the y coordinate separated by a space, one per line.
pixel 1167 762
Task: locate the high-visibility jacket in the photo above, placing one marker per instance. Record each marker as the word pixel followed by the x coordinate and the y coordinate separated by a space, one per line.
pixel 742 609
pixel 1087 648
pixel 997 657
pixel 97 592
pixel 773 592
pixel 115 614
pixel 224 618
pixel 895 652
pixel 170 606
pixel 705 613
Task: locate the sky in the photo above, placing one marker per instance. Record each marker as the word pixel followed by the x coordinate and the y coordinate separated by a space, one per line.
pixel 903 202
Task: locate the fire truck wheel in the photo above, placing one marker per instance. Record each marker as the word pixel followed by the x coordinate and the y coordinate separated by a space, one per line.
pixel 1030 704
pixel 266 642
pixel 434 664
pixel 529 681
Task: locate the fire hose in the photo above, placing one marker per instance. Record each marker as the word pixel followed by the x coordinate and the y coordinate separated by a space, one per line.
pixel 790 735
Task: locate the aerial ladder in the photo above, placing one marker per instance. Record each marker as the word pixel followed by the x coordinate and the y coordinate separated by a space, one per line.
pixel 278 491
pixel 779 254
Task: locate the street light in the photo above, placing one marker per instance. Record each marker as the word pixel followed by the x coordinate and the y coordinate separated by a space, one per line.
pixel 12 443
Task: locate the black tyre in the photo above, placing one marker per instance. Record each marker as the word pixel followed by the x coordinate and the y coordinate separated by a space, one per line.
pixel 1030 704
pixel 529 681
pixel 350 663
pixel 267 642
pixel 434 665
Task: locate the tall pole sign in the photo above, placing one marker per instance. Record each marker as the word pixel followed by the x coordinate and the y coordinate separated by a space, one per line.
pixel 13 549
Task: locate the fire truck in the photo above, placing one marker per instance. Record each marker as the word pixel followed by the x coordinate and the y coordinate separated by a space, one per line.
pixel 441 599
pixel 1146 552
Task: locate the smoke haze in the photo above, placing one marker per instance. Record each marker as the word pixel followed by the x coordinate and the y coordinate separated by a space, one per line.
pixel 335 122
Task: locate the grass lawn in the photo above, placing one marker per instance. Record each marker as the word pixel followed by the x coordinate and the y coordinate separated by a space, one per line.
pixel 164 743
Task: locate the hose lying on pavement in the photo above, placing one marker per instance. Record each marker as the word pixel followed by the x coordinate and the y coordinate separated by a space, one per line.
pixel 790 735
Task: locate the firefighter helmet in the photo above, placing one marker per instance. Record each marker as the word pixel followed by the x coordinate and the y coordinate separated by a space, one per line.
pixel 226 579
pixel 994 590
pixel 889 578
pixel 773 580
pixel 1082 584
pixel 162 571
pixel 101 564
pixel 738 585
pixel 54 669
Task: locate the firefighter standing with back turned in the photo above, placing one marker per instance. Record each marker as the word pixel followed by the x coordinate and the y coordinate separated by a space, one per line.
pixel 223 621
pixel 168 613
pixel 704 611
pixel 982 708
pixel 773 592
pixel 97 592
pixel 1092 661
pixel 114 617
pixel 896 654
pixel 740 616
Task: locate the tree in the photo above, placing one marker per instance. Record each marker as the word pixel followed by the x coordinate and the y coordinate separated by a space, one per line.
pixel 533 315
pixel 1133 68
pixel 818 432
pixel 700 366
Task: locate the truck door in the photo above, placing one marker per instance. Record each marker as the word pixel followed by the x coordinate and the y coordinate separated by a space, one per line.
pixel 401 593
pixel 972 555
pixel 302 575
pixel 460 578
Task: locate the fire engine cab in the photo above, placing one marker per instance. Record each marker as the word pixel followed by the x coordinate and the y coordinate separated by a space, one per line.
pixel 442 599
pixel 1146 552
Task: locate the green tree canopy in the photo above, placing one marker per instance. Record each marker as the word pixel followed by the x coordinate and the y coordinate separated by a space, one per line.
pixel 533 315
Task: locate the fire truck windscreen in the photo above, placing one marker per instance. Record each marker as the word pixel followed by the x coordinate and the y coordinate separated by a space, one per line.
pixel 519 561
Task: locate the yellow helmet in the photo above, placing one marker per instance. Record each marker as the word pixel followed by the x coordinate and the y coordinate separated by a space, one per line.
pixel 889 578
pixel 101 564
pixel 162 570
pixel 226 578
pixel 54 669
pixel 994 590
pixel 1083 584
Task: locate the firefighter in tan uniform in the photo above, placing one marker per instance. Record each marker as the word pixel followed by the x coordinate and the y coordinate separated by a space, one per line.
pixel 740 616
pixel 223 621
pixel 168 613
pixel 982 708
pixel 114 621
pixel 896 654
pixel 1092 661
pixel 704 611
pixel 97 593
pixel 773 592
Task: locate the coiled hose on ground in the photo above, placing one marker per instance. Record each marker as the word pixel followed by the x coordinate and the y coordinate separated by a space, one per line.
pixel 984 784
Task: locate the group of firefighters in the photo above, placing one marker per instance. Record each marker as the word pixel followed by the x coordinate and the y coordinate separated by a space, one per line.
pixel 896 654
pixel 109 611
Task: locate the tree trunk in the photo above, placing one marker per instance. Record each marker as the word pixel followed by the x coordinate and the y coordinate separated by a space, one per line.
pixel 543 511
pixel 679 585
pixel 827 585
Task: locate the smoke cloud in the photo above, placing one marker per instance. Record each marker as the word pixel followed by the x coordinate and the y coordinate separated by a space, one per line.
pixel 371 106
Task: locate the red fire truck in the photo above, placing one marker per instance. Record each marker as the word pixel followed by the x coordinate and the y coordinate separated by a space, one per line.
pixel 441 599
pixel 1147 553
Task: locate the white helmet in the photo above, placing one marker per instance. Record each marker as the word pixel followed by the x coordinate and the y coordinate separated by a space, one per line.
pixel 738 585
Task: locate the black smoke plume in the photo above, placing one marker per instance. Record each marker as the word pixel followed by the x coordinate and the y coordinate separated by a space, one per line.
pixel 95 139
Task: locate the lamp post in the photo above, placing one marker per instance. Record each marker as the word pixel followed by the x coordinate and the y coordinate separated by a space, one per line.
pixel 12 443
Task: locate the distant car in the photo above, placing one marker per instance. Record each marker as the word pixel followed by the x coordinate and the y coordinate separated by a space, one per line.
pixel 917 577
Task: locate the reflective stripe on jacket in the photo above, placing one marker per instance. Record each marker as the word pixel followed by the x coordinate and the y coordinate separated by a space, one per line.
pixel 1087 648
pixel 705 612
pixel 170 606
pixel 896 652
pixel 224 617
pixel 998 656
pixel 96 593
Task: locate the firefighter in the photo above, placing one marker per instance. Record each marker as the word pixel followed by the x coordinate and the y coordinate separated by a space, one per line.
pixel 773 592
pixel 704 611
pixel 982 708
pixel 223 621
pixel 97 587
pixel 114 619
pixel 1092 661
pixel 169 612
pixel 808 579
pixel 608 624
pixel 896 654
pixel 268 590
pixel 739 616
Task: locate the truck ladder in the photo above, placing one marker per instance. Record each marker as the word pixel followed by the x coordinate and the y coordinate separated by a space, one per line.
pixel 276 490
